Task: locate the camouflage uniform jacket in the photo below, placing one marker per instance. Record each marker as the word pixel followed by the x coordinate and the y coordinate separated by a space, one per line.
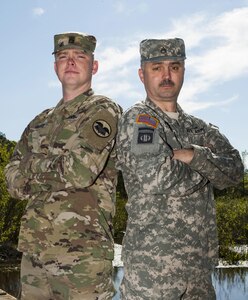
pixel 64 166
pixel 171 210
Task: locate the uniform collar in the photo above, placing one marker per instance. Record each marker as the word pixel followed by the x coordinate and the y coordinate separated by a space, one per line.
pixel 73 105
pixel 159 111
pixel 183 118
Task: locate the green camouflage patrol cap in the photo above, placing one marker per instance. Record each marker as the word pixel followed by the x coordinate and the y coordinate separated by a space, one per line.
pixel 77 40
pixel 157 50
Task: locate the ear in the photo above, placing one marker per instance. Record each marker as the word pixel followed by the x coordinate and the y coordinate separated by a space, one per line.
pixel 141 74
pixel 94 67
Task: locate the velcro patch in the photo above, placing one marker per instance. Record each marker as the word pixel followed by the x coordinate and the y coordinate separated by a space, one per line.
pixel 145 135
pixel 99 129
pixel 102 128
pixel 147 120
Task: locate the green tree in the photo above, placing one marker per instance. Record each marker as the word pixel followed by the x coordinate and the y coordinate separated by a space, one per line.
pixel 120 219
pixel 11 209
pixel 232 218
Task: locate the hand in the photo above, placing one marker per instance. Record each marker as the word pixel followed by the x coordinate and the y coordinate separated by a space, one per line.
pixel 184 155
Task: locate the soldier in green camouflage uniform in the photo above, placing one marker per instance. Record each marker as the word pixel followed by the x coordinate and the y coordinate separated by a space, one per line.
pixel 64 165
pixel 170 162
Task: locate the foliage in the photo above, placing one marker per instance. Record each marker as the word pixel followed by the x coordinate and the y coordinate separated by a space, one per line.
pixel 11 210
pixel 120 218
pixel 245 183
pixel 232 224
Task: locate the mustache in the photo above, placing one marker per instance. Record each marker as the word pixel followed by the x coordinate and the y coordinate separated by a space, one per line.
pixel 167 82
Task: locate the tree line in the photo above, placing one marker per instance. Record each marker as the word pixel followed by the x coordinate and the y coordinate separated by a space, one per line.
pixel 231 208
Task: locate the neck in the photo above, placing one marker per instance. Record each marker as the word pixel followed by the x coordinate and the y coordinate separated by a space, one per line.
pixel 166 106
pixel 71 93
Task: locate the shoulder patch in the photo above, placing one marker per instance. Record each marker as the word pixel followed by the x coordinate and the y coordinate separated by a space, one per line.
pixel 99 129
pixel 102 128
pixel 145 135
pixel 148 120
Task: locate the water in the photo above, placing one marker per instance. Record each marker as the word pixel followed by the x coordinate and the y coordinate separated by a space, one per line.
pixel 9 279
pixel 229 283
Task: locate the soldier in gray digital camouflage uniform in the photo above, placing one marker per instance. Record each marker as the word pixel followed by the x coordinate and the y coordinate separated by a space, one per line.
pixel 64 165
pixel 170 161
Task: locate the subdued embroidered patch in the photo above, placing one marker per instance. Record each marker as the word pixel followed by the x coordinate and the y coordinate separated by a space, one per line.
pixel 145 136
pixel 102 128
pixel 145 140
pixel 99 129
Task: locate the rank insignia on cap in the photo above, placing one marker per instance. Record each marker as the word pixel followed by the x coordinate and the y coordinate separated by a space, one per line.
pixel 163 50
pixel 74 40
pixel 147 120
pixel 71 39
pixel 102 128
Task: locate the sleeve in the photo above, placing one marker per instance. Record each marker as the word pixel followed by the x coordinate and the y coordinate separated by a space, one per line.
pixel 16 173
pixel 145 158
pixel 73 157
pixel 218 161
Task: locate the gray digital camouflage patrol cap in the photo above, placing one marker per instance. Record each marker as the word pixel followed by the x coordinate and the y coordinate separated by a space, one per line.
pixel 161 49
pixel 77 40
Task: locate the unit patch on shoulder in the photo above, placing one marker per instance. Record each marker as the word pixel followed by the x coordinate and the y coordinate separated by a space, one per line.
pixel 148 120
pixel 101 128
pixel 145 135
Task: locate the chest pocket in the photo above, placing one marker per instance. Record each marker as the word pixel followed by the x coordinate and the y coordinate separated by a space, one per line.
pixel 38 136
pixel 195 135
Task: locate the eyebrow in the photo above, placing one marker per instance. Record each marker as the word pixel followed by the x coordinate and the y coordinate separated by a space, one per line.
pixel 74 51
pixel 170 64
pixel 61 53
pixel 156 63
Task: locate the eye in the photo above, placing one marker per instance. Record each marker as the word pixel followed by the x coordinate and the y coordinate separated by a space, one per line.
pixel 61 56
pixel 80 55
pixel 175 67
pixel 156 68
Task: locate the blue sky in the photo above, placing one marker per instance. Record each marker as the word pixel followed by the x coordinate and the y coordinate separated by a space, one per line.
pixel 215 34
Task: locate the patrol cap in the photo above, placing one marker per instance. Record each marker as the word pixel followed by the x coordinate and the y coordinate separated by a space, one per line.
pixel 77 40
pixel 161 49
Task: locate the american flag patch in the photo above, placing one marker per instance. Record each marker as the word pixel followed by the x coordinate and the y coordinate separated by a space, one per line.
pixel 147 120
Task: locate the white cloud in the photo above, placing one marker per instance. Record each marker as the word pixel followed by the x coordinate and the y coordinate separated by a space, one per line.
pixel 226 56
pixel 38 11
pixel 114 58
pixel 216 54
pixel 192 106
pixel 216 49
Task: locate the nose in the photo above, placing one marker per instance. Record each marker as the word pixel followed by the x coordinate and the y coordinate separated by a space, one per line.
pixel 166 73
pixel 71 61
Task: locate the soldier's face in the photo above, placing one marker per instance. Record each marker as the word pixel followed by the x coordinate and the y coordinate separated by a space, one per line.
pixel 75 68
pixel 162 80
